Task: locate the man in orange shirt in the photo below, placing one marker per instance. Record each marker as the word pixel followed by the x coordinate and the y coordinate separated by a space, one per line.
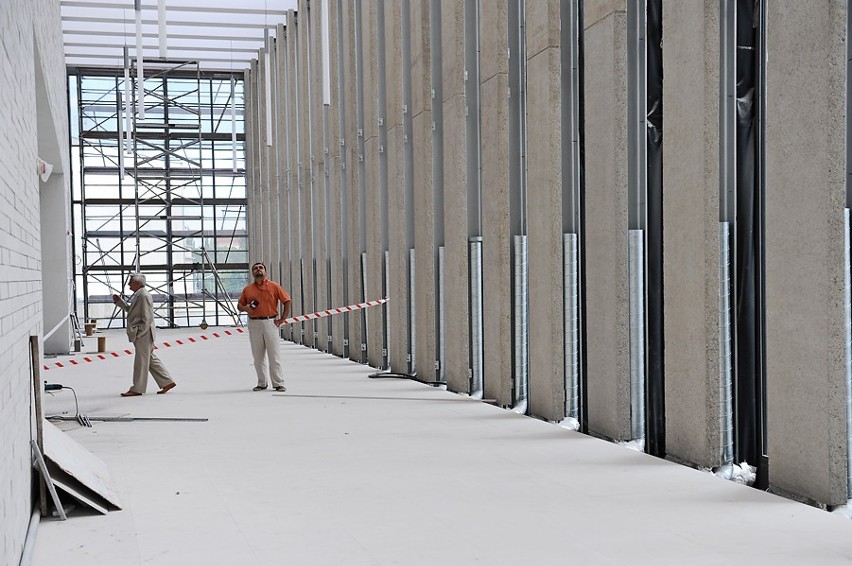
pixel 260 300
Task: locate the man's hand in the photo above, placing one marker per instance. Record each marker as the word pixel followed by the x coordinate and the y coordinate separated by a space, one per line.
pixel 115 299
pixel 278 321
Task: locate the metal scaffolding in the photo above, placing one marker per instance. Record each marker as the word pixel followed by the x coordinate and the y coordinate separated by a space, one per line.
pixel 152 192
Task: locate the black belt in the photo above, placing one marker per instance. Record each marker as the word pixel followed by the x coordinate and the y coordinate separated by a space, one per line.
pixel 262 317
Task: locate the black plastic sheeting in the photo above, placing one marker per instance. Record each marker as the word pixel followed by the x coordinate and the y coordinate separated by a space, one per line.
pixel 655 408
pixel 749 390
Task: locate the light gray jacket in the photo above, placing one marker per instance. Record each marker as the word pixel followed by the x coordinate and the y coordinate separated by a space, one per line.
pixel 140 315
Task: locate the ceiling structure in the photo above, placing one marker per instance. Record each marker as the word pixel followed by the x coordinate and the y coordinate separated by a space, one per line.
pixel 222 35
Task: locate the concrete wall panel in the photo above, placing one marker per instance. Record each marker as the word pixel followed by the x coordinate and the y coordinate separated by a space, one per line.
pixel 691 230
pixel 607 297
pixel 544 199
pixel 335 175
pixel 372 158
pixel 456 262
pixel 353 267
pixel 424 212
pixel 397 242
pixel 307 135
pixel 805 197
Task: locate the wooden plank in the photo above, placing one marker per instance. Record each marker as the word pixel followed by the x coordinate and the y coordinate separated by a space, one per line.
pixel 79 463
pixel 35 361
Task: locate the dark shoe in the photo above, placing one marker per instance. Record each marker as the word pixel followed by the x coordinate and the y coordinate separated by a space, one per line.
pixel 280 388
pixel 167 387
pixel 259 388
pixel 130 393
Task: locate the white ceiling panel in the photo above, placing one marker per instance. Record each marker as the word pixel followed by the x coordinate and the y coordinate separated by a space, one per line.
pixel 222 35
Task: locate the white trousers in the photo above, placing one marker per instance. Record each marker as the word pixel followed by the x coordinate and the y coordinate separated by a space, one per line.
pixel 264 339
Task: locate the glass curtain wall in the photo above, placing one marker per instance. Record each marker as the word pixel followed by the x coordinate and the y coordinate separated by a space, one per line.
pixel 169 199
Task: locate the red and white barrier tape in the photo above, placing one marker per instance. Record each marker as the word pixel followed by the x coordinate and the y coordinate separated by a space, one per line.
pixel 118 354
pixel 300 318
pixel 320 314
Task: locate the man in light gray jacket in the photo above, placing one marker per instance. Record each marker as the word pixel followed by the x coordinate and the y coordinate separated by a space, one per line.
pixel 140 331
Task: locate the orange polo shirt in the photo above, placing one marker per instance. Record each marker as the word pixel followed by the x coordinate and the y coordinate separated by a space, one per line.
pixel 267 295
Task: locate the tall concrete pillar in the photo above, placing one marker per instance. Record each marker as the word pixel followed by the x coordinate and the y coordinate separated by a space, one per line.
pixel 456 260
pixel 282 142
pixel 691 178
pixel 318 173
pixel 496 230
pixel 306 165
pixel 334 180
pixel 607 297
pixel 804 243
pixel 397 228
pixel 424 213
pixel 352 209
pixel 255 212
pixel 249 152
pixel 544 198
pixel 296 121
pixel 275 179
pixel 372 182
pixel 263 153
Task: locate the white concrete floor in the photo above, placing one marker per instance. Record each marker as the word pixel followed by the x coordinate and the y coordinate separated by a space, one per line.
pixel 347 470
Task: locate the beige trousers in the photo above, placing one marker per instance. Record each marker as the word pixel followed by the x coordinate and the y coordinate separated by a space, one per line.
pixel 264 339
pixel 144 362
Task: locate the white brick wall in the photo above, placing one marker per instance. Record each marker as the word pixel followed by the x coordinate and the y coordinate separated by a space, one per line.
pixel 20 252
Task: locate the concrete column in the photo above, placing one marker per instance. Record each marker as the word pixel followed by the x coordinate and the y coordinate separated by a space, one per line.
pixel 318 174
pixel 275 178
pixel 263 160
pixel 334 182
pixel 306 157
pixel 372 182
pixel 456 262
pixel 296 122
pixel 496 230
pixel 353 252
pixel 805 196
pixel 544 199
pixel 607 297
pixel 397 229
pixel 691 178
pixel 255 215
pixel 282 143
pixel 424 213
pixel 249 151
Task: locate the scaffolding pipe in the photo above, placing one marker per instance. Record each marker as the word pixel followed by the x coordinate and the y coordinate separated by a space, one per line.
pixel 412 355
pixel 475 256
pixel 521 323
pixel 571 309
pixel 637 334
pixel 442 349
pixel 847 296
pixel 726 405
